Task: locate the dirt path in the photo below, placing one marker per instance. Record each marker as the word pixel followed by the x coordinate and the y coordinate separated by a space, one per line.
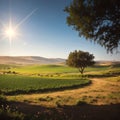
pixel 97 85
pixel 100 108
pixel 98 88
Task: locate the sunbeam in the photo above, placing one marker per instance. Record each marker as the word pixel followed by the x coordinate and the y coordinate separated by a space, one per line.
pixel 26 17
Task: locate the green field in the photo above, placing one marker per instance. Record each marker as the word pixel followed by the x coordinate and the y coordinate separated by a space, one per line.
pixel 51 91
pixel 59 70
pixel 44 78
pixel 44 69
pixel 16 84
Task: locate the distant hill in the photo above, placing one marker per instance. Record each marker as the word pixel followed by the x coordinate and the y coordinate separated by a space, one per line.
pixel 24 60
pixel 29 60
pixel 105 63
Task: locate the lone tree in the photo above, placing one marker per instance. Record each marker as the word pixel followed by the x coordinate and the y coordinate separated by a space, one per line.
pixel 80 60
pixel 97 20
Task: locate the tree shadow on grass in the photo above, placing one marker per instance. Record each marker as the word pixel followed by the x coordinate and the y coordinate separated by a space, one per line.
pixel 78 112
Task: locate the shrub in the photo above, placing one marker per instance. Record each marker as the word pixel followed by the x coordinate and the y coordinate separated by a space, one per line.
pixel 80 102
pixel 6 113
pixel 2 99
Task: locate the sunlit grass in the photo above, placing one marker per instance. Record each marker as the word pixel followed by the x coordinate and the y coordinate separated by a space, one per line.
pixel 16 84
pixel 113 79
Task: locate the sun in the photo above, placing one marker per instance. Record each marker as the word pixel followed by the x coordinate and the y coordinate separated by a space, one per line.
pixel 10 32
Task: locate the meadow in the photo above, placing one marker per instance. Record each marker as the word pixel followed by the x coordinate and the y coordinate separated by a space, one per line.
pixel 16 79
pixel 54 91
pixel 17 84
pixel 57 70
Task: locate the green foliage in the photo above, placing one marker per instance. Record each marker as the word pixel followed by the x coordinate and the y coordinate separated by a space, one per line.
pixel 16 84
pixel 80 60
pixel 96 20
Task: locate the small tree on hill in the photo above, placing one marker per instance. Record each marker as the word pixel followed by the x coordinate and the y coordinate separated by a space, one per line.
pixel 80 59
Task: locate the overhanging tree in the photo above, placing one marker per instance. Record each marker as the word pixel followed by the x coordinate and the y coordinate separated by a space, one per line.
pixel 97 20
pixel 80 59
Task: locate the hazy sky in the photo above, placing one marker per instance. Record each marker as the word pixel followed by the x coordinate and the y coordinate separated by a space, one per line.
pixel 43 31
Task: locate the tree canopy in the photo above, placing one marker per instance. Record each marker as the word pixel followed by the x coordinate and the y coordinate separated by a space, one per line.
pixel 97 20
pixel 80 59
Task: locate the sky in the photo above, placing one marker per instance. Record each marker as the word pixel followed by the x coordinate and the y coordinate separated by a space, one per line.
pixel 42 30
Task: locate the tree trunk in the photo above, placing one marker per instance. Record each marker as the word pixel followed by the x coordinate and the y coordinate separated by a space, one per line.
pixel 81 70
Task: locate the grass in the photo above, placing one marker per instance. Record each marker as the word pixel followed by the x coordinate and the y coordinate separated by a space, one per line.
pixel 114 95
pixel 6 113
pixel 6 66
pixel 113 79
pixel 16 84
pixel 60 69
pixel 44 69
pixel 46 78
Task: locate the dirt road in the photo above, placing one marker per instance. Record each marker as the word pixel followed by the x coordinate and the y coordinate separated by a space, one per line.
pixel 98 104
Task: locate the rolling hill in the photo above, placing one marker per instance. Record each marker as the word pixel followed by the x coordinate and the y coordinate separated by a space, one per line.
pixel 29 60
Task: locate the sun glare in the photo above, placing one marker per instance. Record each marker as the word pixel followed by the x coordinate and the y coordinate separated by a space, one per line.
pixel 10 32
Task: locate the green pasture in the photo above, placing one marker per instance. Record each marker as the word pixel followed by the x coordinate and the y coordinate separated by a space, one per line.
pixel 7 67
pixel 41 69
pixel 41 78
pixel 35 69
pixel 60 70
pixel 15 84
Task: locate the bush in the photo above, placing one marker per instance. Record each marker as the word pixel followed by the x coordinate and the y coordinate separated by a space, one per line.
pixel 6 113
pixel 2 99
pixel 81 102
pixel 46 99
